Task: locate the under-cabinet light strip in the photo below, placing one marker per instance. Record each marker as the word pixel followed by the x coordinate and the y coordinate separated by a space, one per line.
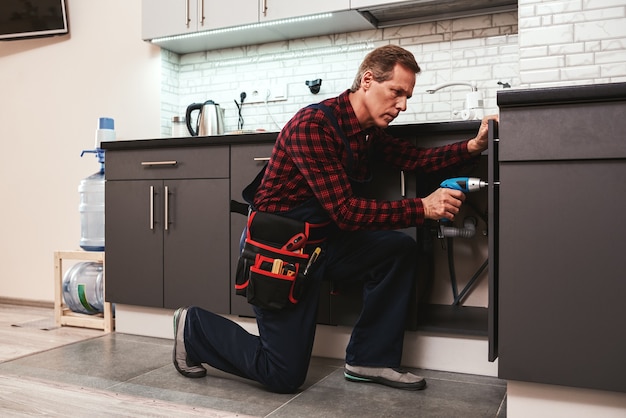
pixel 243 27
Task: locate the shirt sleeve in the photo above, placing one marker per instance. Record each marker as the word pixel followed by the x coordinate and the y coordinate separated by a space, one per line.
pixel 405 156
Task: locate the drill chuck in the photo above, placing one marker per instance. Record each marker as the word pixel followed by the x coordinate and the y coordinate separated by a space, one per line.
pixel 464 184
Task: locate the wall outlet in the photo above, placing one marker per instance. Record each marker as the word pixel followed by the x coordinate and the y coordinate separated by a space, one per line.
pixel 261 94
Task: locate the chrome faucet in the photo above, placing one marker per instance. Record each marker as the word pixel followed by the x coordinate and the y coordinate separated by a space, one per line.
pixel 473 101
pixel 440 86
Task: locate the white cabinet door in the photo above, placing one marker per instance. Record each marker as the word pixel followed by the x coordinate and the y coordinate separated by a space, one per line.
pixel 357 4
pixel 282 9
pixel 228 13
pixel 168 17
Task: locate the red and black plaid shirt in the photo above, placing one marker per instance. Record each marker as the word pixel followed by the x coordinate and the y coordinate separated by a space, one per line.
pixel 310 160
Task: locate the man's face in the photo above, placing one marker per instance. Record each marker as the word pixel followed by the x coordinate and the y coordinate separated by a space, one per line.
pixel 384 101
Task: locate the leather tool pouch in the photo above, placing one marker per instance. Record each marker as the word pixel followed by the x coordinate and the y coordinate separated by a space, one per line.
pixel 270 270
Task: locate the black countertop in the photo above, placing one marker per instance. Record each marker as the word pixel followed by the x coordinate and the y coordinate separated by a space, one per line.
pixel 403 131
pixel 565 95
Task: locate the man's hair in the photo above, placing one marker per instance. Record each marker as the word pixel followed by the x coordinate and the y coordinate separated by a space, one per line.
pixel 381 63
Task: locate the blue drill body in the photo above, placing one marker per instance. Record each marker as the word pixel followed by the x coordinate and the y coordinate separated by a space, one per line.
pixel 464 184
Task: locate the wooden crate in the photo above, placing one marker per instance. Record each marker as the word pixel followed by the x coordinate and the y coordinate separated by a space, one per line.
pixel 62 314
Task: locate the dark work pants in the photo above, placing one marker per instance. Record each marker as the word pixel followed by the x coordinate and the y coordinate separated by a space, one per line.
pixel 384 261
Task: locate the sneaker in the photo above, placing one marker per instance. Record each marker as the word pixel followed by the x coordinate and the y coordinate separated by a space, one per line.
pixel 179 357
pixel 385 376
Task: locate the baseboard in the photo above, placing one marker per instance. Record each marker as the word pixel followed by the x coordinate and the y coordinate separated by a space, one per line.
pixel 27 302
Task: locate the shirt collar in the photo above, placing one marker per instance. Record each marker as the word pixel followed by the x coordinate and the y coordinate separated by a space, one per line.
pixel 348 120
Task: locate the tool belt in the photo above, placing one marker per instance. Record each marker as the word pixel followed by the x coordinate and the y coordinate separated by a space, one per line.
pixel 273 266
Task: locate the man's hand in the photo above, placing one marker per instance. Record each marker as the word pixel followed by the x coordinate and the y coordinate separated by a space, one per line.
pixel 442 203
pixel 479 143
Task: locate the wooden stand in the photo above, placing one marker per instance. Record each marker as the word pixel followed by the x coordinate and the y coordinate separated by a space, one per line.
pixel 62 314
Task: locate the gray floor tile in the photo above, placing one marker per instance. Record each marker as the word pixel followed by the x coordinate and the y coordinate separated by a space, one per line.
pixel 140 367
pixel 336 397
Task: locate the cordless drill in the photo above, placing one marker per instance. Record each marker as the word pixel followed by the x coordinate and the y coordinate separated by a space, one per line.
pixel 464 184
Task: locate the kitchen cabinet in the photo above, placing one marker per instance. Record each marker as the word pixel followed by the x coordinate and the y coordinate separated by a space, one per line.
pixel 167 227
pixel 193 261
pixel 283 9
pixel 561 169
pixel 167 18
pixel 358 4
pixel 219 14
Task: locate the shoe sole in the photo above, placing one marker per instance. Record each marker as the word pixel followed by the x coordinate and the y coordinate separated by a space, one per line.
pixel 355 377
pixel 195 374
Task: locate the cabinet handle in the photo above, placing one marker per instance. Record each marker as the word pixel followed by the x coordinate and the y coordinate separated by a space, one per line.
pixel 402 184
pixel 188 19
pixel 202 13
pixel 151 207
pixel 261 158
pixel 167 208
pixel 158 163
pixel 264 7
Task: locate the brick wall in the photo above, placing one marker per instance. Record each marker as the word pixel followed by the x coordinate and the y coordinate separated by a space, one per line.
pixel 568 42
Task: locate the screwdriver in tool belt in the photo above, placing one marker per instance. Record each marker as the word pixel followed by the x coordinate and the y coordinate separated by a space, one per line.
pixel 312 260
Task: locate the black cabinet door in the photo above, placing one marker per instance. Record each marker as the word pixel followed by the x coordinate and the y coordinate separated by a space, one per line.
pixel 134 242
pixel 562 269
pixel 195 244
pixel 493 213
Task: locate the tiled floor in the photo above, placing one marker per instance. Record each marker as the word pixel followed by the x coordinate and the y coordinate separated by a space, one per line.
pixel 124 375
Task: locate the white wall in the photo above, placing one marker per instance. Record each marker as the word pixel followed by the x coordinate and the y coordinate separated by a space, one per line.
pixel 52 92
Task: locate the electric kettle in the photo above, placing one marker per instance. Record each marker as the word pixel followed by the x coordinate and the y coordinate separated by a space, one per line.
pixel 210 120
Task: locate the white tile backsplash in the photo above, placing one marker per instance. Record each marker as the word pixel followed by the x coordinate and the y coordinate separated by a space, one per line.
pixel 467 49
pixel 585 39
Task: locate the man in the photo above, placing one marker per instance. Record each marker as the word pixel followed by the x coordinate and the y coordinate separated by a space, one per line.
pixel 320 158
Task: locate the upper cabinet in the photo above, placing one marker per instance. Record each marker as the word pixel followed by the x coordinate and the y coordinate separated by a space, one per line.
pixel 168 18
pixel 357 4
pixel 163 17
pixel 221 14
pixel 284 9
pixel 185 26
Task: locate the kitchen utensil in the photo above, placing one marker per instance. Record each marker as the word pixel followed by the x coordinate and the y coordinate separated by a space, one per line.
pixel 210 119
